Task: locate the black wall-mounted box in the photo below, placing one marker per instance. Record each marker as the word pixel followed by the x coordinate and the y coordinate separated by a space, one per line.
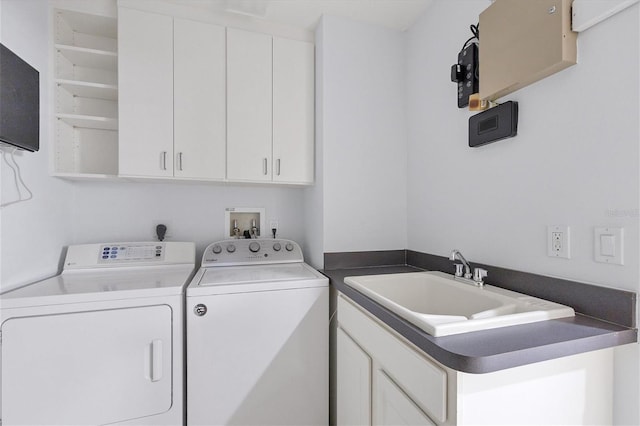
pixel 499 122
pixel 19 102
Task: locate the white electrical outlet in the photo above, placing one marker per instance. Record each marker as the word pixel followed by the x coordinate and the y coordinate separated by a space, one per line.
pixel 558 241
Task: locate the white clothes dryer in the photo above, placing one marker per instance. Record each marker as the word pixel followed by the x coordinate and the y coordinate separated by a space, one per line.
pixel 257 337
pixel 101 343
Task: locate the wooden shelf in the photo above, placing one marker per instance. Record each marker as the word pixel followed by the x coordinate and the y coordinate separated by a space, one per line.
pixel 90 58
pixel 89 122
pixel 88 89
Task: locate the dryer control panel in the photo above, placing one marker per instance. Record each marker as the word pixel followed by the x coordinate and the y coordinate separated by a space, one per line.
pixel 136 254
pixel 251 252
pixel 131 252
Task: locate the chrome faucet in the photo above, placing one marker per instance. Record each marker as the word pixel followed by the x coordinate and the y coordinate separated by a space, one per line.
pixel 455 255
pixel 477 278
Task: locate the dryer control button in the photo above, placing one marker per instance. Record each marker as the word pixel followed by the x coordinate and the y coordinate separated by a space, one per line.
pixel 254 247
pixel 289 247
pixel 217 249
pixel 231 248
pixel 277 247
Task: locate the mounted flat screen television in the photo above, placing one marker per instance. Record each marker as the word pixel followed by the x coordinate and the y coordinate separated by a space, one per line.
pixel 19 102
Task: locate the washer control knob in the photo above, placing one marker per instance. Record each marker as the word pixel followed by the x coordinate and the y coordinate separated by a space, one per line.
pixel 277 247
pixel 217 249
pixel 254 247
pixel 289 247
pixel 200 309
pixel 231 248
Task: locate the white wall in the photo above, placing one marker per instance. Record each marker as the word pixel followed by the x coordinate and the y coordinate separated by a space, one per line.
pixel 314 196
pixel 362 136
pixel 32 233
pixel 575 161
pixel 192 212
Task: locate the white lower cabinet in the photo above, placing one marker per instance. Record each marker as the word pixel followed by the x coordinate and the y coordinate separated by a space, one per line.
pixel 354 382
pixel 382 379
pixel 393 406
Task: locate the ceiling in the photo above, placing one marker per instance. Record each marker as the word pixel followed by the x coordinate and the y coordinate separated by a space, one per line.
pixel 305 14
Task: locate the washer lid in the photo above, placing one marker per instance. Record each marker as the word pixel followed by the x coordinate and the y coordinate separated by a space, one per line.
pixel 252 274
pixel 96 285
pixel 240 279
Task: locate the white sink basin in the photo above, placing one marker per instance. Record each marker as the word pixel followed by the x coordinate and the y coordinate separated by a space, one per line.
pixel 442 306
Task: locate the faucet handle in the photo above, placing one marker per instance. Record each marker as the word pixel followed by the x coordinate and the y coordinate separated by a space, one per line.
pixel 459 269
pixel 479 274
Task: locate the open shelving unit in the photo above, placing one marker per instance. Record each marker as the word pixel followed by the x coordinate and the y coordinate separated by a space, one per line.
pixel 86 91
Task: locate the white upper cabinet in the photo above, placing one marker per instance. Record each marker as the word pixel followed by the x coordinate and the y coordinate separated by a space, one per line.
pixel 293 111
pixel 249 106
pixel 199 100
pixel 145 70
pixel 203 102
pixel 173 102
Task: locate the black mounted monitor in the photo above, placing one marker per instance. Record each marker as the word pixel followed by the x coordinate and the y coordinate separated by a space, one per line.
pixel 19 102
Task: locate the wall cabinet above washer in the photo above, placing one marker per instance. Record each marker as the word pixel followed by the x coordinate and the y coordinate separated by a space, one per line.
pixel 203 102
pixel 270 90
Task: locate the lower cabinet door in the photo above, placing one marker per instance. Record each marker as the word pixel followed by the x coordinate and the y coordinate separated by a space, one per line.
pixel 393 406
pixel 353 405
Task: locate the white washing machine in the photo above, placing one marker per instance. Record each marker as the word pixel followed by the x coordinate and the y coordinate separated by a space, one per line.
pixel 101 343
pixel 257 337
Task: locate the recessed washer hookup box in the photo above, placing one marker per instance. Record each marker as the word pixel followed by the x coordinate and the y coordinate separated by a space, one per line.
pixel 499 122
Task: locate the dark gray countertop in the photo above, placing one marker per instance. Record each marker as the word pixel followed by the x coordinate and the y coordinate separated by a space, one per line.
pixel 497 349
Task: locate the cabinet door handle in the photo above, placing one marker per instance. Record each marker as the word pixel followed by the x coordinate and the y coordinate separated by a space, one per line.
pixel 278 167
pixel 180 161
pixel 163 160
pixel 264 166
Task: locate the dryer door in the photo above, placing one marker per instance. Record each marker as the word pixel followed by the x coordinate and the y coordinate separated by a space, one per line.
pixel 86 367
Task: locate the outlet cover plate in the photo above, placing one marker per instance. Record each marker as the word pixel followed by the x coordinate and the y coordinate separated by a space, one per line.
pixel 558 241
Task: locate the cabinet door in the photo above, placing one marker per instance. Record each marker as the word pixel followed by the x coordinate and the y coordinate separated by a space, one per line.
pixel 249 99
pixel 353 405
pixel 293 111
pixel 199 100
pixel 145 73
pixel 394 407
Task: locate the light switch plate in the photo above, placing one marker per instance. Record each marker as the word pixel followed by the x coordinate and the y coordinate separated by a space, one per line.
pixel 609 245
